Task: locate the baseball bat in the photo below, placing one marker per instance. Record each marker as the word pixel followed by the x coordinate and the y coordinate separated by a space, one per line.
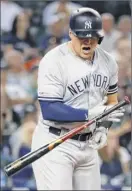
pixel 29 158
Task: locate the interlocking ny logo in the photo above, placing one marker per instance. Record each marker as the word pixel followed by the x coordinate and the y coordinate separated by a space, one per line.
pixel 88 24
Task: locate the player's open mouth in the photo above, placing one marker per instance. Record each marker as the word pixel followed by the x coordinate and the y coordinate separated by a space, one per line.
pixel 86 50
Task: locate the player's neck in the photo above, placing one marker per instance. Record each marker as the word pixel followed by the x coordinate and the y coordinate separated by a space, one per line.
pixel 71 48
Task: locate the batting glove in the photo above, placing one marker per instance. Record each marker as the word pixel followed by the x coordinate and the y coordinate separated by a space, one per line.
pixel 99 138
pixel 100 108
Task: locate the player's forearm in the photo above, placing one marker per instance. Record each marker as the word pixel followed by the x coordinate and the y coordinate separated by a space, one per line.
pixel 112 99
pixel 58 111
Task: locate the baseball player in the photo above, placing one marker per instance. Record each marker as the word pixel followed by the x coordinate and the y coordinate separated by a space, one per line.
pixel 73 80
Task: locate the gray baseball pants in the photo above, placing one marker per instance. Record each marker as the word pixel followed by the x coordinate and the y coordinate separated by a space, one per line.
pixel 70 166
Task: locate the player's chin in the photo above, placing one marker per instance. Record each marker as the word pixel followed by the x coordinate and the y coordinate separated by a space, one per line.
pixel 85 55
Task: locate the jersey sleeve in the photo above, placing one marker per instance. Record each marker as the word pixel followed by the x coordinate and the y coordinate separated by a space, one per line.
pixel 50 81
pixel 113 84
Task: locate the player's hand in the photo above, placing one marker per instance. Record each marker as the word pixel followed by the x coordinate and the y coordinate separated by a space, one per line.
pixel 99 138
pixel 115 116
pixel 101 107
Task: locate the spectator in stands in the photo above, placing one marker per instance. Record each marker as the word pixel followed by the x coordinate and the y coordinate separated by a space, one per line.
pixel 20 142
pixel 20 36
pixel 124 131
pixel 3 179
pixel 56 20
pixel 34 76
pixel 110 33
pixel 122 54
pixel 125 128
pixel 115 162
pixel 128 81
pixel 10 120
pixel 56 7
pixel 18 86
pixel 4 102
pixel 23 135
pixel 9 10
pixel 55 35
pixel 122 50
pixel 124 26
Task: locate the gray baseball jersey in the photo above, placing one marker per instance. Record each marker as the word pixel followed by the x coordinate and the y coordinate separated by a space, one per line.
pixel 80 83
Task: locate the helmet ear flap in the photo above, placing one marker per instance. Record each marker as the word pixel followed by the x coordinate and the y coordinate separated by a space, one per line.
pixel 100 40
pixel 100 35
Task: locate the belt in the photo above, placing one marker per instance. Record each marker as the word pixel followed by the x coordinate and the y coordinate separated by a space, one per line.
pixel 79 137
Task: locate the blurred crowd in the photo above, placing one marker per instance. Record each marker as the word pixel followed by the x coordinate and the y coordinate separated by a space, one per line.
pixel 28 31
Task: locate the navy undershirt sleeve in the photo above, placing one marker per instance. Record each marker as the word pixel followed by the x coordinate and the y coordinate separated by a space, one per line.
pixel 58 111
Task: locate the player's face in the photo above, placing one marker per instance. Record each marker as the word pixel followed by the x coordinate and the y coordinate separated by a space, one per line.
pixel 84 47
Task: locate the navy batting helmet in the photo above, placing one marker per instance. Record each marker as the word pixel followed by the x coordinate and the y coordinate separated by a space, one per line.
pixel 86 23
